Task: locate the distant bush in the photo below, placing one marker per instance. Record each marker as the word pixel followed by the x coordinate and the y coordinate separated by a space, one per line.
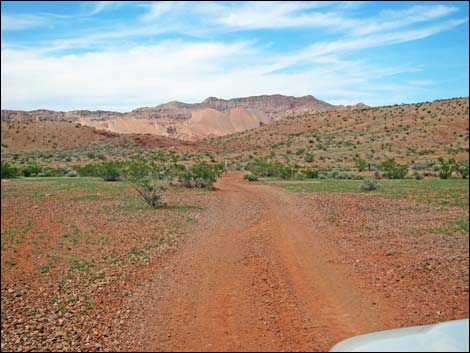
pixel 344 175
pixel 201 175
pixel 110 171
pixel 87 170
pixel 361 164
pixel 30 170
pixel 250 177
pixel 394 170
pixel 462 168
pixel 417 176
pixel 72 174
pixel 309 157
pixel 447 167
pixel 311 173
pixel 369 184
pixel 8 171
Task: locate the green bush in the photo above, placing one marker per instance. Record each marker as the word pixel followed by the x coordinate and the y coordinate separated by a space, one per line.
pixel 110 171
pixel 417 176
pixel 250 177
pixel 309 157
pixel 344 175
pixel 8 171
pixel 87 170
pixel 30 170
pixel 200 175
pixel 150 177
pixel 361 164
pixel 394 170
pixel 311 173
pixel 462 168
pixel 446 167
pixel 369 184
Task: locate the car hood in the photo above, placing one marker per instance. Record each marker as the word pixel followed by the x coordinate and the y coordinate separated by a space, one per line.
pixel 450 336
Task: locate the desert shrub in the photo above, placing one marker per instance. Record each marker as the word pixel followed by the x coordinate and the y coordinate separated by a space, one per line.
pixel 311 173
pixel 87 170
pixel 250 177
pixel 394 170
pixel 8 170
pixel 446 167
pixel 462 168
pixel 201 175
pixel 47 172
pixel 30 170
pixel 417 176
pixel 361 164
pixel 309 157
pixel 110 171
pixel 150 177
pixel 369 184
pixel 333 173
pixel 344 175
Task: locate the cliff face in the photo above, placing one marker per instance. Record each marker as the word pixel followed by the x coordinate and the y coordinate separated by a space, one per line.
pixel 211 117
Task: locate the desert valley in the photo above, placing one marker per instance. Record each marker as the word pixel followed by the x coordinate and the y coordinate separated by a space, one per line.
pixel 234 176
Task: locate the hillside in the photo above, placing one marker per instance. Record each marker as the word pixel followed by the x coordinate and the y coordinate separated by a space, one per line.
pixel 421 131
pixel 211 118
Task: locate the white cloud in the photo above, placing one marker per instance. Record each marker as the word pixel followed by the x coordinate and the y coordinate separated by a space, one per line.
pixel 16 22
pixel 140 75
pixel 171 70
pixel 100 6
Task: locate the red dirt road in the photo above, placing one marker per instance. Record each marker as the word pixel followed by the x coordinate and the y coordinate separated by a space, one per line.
pixel 257 275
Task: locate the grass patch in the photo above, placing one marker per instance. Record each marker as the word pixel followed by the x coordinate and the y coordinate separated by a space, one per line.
pixel 430 191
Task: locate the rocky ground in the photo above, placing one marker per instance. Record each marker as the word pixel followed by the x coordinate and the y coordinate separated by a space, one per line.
pixel 86 266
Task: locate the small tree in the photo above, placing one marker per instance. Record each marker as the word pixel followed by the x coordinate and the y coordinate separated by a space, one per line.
pixel 150 177
pixel 446 168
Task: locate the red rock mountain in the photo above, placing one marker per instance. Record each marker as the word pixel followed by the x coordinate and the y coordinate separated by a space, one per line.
pixel 212 117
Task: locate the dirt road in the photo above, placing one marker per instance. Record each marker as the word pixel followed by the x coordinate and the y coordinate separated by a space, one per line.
pixel 255 275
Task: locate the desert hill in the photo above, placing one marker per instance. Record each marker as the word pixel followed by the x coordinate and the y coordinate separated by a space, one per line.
pixel 211 118
pixel 407 132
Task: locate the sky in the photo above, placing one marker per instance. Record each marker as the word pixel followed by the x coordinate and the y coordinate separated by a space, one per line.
pixel 119 56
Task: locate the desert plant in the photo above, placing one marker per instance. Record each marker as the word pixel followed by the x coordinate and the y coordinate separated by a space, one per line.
pixel 150 177
pixel 8 170
pixel 462 168
pixel 110 171
pixel 361 164
pixel 30 170
pixel 447 167
pixel 369 184
pixel 311 173
pixel 250 177
pixel 394 170
pixel 201 175
pixel 417 176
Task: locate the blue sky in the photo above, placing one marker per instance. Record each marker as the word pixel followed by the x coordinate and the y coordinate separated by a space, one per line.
pixel 123 55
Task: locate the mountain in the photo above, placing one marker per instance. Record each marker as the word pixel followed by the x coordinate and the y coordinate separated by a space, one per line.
pixel 211 118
